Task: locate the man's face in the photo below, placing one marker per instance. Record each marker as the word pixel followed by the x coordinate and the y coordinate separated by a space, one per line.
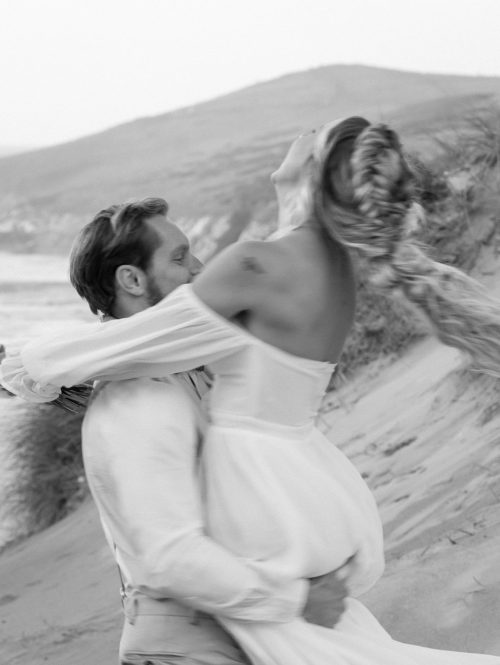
pixel 172 263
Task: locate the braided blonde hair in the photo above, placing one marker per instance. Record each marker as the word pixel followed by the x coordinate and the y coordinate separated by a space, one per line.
pixel 364 197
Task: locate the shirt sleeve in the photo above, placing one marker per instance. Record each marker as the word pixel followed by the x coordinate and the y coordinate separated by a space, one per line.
pixel 138 450
pixel 178 334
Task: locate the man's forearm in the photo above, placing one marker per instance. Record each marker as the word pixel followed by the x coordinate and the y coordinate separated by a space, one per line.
pixel 200 573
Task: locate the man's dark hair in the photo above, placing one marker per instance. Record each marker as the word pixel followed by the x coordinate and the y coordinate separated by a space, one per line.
pixel 116 236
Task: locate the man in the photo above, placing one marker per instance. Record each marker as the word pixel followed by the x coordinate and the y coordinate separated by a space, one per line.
pixel 140 441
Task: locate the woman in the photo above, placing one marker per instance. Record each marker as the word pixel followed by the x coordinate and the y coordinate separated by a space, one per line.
pixel 270 319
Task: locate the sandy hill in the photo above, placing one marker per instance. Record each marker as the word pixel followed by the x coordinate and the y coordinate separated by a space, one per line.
pixel 6 150
pixel 212 159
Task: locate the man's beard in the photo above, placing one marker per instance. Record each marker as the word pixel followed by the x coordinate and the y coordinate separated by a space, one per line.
pixel 153 294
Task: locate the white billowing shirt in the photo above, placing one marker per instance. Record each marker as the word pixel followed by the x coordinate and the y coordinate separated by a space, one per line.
pixel 140 439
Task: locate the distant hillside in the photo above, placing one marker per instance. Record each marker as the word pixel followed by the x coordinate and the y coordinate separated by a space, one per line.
pixel 211 161
pixel 6 150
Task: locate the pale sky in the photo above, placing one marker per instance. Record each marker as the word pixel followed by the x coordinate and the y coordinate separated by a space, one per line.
pixel 74 67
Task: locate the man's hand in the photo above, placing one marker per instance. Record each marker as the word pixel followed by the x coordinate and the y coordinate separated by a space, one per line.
pixel 326 601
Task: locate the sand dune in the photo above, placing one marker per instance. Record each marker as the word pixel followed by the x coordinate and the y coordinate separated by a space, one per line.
pixel 425 435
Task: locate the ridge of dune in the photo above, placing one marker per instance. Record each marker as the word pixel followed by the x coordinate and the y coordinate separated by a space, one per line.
pixel 425 433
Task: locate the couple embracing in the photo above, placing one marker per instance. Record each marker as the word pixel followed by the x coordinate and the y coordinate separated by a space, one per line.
pixel 244 524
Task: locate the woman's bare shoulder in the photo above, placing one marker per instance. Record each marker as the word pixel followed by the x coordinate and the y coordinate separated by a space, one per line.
pixel 236 279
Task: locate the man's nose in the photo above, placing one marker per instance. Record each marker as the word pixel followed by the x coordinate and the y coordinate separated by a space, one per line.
pixel 196 266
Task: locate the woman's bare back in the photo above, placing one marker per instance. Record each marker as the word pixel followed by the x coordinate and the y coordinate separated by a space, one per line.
pixel 296 293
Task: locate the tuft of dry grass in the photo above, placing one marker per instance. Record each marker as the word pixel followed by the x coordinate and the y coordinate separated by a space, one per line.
pixel 45 454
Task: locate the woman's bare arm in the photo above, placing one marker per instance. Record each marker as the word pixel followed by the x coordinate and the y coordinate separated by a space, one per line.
pixel 174 335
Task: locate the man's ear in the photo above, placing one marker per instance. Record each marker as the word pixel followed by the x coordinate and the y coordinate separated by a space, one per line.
pixel 131 279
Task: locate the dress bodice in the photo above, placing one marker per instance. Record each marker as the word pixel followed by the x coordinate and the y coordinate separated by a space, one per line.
pixel 256 381
pixel 261 383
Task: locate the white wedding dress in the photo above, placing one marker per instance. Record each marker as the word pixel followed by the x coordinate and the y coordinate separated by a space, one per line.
pixel 278 493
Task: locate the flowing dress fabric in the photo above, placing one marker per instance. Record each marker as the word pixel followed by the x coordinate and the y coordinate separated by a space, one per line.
pixel 278 493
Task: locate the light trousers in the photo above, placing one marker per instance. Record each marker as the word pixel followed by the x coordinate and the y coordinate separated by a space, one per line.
pixel 164 632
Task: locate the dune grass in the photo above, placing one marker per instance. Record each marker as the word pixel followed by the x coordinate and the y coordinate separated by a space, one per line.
pixel 45 455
